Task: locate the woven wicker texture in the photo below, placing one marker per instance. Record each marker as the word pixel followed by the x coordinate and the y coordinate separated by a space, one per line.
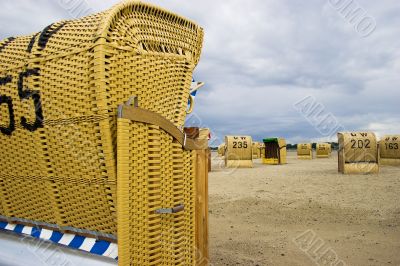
pixel 274 151
pixel 389 147
pixel 304 151
pixel 358 153
pixel 283 150
pixel 262 150
pixel 164 178
pixel 256 150
pixel 204 133
pixel 60 89
pixel 238 151
pixel 221 150
pixel 323 150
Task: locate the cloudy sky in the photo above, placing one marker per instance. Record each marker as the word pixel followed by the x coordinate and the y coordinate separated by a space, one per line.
pixel 290 68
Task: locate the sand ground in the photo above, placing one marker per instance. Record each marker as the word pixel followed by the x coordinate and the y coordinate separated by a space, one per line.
pixel 302 213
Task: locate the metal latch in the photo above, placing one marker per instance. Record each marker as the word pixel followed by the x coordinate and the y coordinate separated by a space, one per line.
pixel 176 209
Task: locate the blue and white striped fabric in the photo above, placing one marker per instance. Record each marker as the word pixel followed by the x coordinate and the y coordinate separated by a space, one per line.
pixel 91 245
pixel 192 88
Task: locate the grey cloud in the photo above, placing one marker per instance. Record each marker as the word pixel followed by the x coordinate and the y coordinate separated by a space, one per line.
pixel 261 56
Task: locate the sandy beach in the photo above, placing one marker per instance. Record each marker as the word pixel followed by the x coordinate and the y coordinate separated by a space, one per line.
pixel 259 216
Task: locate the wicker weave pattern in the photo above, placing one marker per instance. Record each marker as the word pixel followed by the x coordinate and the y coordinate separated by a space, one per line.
pixel 158 77
pixel 150 184
pixel 32 196
pixel 2 209
pixel 13 52
pixel 64 172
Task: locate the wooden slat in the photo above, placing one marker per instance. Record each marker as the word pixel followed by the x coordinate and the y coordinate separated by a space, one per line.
pixel 202 255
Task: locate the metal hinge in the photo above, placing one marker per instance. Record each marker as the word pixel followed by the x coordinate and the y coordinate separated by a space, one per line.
pixel 170 210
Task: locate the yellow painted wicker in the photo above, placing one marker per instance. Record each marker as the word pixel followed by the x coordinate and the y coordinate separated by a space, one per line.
pixel 389 147
pixel 63 161
pixel 256 150
pixel 323 150
pixel 304 151
pixel 238 152
pixel 262 150
pixel 221 149
pixel 162 178
pixel 275 153
pixel 358 153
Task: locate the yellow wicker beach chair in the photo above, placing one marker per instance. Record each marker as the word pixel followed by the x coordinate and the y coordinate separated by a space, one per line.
pixel 91 115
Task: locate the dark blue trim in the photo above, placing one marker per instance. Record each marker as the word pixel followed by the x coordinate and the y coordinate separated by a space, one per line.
pixel 100 247
pixel 76 241
pixel 56 236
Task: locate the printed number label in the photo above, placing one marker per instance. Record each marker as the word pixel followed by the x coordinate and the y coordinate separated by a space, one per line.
pixel 8 130
pixel 240 145
pixel 24 94
pixel 360 144
pixel 392 146
pixel 4 99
